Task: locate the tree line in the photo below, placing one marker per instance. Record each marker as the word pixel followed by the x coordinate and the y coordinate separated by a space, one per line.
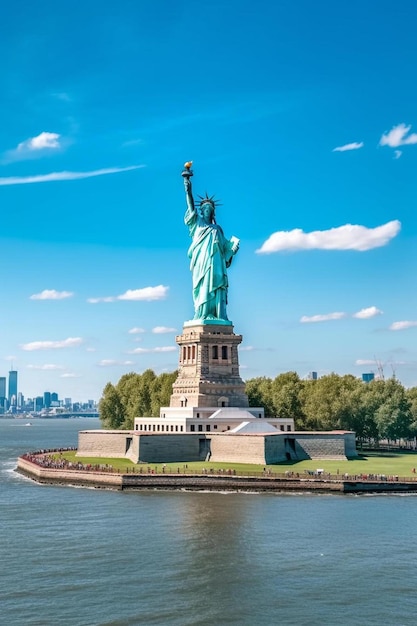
pixel 380 409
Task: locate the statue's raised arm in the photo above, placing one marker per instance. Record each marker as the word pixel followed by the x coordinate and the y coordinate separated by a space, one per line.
pixel 210 254
pixel 190 214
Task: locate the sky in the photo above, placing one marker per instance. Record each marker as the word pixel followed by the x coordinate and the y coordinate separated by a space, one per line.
pixel 301 118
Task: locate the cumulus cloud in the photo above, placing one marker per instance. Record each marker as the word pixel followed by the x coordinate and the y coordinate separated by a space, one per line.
pixel 71 342
pixel 146 294
pixel 365 362
pixel 347 237
pixel 49 367
pixel 51 294
pixel 305 319
pixel 398 136
pixel 111 362
pixel 159 330
pixel 149 350
pixel 42 141
pixel 363 314
pixel 57 176
pixel 34 147
pixel 403 325
pixel 349 146
pixel 136 330
pixel 367 313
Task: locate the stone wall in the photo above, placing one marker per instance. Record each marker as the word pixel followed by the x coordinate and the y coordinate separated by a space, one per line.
pixel 206 482
pixel 238 448
pixel 350 445
pixel 275 449
pixel 103 443
pixel 48 475
pixel 320 446
pixel 229 448
pixel 155 448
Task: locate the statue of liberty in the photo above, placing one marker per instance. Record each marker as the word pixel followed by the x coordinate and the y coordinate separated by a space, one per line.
pixel 210 255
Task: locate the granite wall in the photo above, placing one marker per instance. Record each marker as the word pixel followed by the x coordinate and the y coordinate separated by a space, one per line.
pixel 220 447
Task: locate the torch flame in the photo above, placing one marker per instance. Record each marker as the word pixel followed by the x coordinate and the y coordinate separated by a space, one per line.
pixel 188 165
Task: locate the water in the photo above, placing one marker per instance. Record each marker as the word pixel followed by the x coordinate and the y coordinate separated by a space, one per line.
pixel 86 557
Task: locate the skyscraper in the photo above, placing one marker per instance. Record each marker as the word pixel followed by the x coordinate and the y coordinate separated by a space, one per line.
pixel 12 387
pixel 47 399
pixel 2 394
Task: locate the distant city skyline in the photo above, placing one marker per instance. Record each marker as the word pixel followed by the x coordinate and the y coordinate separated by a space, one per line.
pixel 300 117
pixel 14 400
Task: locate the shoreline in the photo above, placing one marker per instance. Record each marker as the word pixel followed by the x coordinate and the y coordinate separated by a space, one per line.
pixel 100 479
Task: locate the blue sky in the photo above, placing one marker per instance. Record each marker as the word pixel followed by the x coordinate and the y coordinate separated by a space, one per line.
pixel 300 116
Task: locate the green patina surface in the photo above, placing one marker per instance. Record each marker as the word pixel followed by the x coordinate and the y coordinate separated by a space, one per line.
pixel 210 255
pixel 212 322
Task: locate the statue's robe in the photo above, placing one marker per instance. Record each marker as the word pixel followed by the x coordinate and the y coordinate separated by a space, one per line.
pixel 210 254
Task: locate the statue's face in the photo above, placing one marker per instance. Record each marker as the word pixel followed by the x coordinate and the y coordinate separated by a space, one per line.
pixel 207 212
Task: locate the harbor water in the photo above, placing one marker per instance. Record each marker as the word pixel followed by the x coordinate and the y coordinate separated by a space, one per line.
pixel 91 557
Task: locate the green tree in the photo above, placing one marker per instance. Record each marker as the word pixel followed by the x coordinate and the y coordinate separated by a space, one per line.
pixel 135 395
pixel 330 402
pixel 286 397
pixel 412 398
pixel 259 392
pixel 393 417
pixel 111 409
pixel 363 418
pixel 162 390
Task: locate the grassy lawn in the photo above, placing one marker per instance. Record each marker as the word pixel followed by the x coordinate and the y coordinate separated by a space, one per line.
pixel 388 463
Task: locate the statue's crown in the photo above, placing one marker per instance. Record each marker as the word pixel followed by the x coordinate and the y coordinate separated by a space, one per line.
pixel 208 200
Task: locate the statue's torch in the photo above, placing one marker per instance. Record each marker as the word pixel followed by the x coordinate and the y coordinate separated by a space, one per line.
pixel 187 172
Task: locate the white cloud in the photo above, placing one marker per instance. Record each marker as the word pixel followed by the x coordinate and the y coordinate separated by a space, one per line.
pixel 347 237
pixel 148 350
pixel 51 294
pixel 70 375
pixel 159 330
pixel 71 342
pixel 41 142
pixel 106 299
pixel 322 318
pixel 49 367
pixel 246 348
pixel 349 146
pixel 136 330
pixel 147 294
pixel 402 325
pixel 55 176
pixel 34 147
pixel 397 136
pixel 397 154
pixel 365 362
pixel 111 362
pixel 365 314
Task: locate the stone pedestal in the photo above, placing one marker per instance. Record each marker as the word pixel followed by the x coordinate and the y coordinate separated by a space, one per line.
pixel 208 367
